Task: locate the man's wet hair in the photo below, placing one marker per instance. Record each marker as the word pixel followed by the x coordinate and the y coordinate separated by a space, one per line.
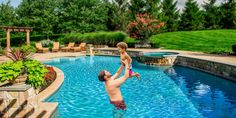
pixel 101 76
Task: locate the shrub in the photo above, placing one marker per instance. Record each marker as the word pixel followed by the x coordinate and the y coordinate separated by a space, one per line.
pixel 28 49
pixel 18 41
pixel 143 27
pixel 47 43
pixel 23 65
pixel 36 73
pixel 50 76
pixel 97 38
pixel 1 51
pixel 35 70
pixel 234 49
pixel 23 53
pixel 10 70
pixel 130 42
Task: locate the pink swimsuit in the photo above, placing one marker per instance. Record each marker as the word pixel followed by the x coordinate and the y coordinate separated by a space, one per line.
pixel 130 70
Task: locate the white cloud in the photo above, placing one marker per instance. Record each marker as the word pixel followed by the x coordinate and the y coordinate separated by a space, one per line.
pixel 181 3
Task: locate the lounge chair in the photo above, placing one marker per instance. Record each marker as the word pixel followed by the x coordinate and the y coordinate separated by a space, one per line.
pixel 40 48
pixel 81 47
pixel 69 46
pixel 56 47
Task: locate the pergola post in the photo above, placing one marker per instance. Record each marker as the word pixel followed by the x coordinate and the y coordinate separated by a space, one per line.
pixel 27 37
pixel 8 31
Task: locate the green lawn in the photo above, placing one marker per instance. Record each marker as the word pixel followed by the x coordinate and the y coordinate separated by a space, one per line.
pixel 209 41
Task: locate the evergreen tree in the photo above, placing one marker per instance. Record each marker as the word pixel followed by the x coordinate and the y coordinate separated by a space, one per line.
pixel 111 22
pixel 117 14
pixel 7 17
pixel 211 14
pixel 171 15
pixel 151 7
pixel 7 14
pixel 192 17
pixel 228 14
pixel 81 16
pixel 39 14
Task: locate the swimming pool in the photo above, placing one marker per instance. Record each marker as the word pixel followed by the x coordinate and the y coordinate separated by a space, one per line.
pixel 170 92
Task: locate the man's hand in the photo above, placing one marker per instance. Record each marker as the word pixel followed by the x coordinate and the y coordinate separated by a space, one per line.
pixel 126 62
pixel 121 80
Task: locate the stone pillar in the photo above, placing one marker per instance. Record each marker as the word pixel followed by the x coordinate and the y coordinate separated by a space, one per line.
pixel 27 37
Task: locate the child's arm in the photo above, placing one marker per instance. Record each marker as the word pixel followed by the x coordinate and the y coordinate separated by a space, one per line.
pixel 121 61
pixel 129 59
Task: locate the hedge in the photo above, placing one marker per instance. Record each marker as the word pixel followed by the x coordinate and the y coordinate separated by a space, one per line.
pixel 18 41
pixel 97 38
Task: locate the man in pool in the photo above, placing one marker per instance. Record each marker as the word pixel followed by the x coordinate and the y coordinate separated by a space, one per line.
pixel 112 86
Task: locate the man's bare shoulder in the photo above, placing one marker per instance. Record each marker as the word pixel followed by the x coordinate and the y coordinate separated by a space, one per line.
pixel 115 82
pixel 111 85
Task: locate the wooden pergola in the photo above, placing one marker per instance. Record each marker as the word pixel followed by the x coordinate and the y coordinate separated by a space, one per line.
pixel 10 29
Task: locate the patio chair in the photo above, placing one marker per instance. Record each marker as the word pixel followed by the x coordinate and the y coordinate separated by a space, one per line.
pixel 69 46
pixel 40 48
pixel 81 47
pixel 56 47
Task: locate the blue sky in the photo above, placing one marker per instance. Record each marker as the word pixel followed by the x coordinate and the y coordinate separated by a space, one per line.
pixel 14 3
pixel 180 4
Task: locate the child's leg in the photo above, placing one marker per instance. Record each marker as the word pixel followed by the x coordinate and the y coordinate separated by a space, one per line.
pixel 135 75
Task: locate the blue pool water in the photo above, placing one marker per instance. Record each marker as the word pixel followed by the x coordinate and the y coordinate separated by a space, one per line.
pixel 162 92
pixel 159 54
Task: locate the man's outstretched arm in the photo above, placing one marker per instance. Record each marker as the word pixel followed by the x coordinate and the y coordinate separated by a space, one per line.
pixel 118 72
pixel 122 79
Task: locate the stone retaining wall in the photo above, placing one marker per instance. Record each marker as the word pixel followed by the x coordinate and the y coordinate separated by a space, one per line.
pixel 114 52
pixel 227 71
pixel 224 70
pixel 18 101
pixel 159 61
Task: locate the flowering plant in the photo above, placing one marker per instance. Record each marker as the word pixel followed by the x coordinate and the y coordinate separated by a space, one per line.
pixel 47 43
pixel 50 76
pixel 143 27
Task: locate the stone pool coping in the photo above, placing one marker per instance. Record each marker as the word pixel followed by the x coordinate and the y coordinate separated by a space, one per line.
pixel 49 108
pixel 220 69
pixel 50 90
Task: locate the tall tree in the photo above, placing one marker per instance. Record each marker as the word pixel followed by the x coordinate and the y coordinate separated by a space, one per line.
pixel 211 14
pixel 39 14
pixel 228 14
pixel 151 7
pixel 170 15
pixel 121 7
pixel 7 17
pixel 117 14
pixel 7 14
pixel 192 17
pixel 81 16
